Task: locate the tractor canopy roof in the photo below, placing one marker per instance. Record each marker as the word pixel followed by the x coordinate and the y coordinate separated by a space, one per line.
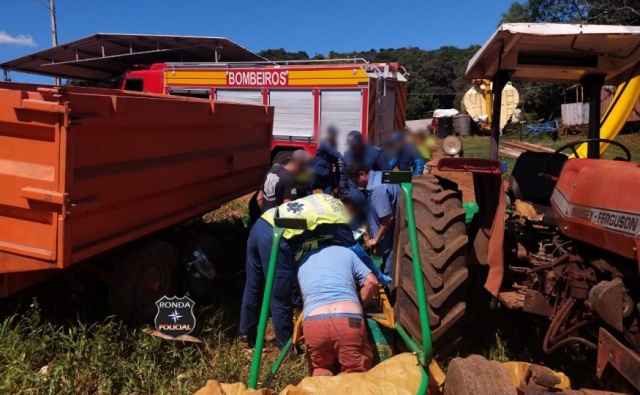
pixel 561 53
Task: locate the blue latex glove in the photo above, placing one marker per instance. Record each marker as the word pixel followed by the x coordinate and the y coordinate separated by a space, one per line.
pixel 393 162
pixel 418 166
pixel 366 259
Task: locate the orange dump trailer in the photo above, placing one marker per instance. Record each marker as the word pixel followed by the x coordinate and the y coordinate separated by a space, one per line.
pixel 84 171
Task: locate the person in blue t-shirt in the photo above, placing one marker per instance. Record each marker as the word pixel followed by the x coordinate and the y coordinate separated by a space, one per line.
pixel 382 201
pixel 335 286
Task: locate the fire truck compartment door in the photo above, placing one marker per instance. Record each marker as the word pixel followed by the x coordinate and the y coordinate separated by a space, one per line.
pixel 293 114
pixel 342 109
pixel 387 113
pixel 249 96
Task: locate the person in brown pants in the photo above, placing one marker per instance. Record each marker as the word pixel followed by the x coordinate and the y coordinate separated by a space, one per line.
pixel 335 284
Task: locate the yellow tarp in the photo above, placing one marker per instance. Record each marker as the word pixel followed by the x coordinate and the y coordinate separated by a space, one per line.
pixel 518 372
pixel 398 375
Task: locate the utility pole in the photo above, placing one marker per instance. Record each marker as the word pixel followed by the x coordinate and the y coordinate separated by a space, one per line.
pixel 54 31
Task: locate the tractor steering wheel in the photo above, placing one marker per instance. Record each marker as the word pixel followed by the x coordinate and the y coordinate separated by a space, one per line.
pixel 573 146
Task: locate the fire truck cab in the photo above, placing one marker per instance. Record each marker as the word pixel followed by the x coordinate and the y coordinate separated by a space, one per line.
pixel 307 96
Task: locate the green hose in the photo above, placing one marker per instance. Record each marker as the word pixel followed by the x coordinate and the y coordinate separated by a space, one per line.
pixel 264 312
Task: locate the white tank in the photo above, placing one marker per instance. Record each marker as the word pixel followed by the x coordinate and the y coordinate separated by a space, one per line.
pixel 475 105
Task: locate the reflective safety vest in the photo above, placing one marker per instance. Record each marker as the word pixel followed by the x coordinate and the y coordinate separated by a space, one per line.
pixel 327 224
pixel 317 210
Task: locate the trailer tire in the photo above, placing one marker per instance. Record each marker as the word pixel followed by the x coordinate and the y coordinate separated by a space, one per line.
pixel 442 239
pixel 148 272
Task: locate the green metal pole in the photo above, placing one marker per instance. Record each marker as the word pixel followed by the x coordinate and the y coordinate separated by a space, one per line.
pixel 276 364
pixel 415 347
pixel 264 313
pixel 427 351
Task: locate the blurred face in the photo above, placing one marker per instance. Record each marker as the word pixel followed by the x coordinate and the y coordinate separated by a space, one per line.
pixel 358 150
pixel 362 179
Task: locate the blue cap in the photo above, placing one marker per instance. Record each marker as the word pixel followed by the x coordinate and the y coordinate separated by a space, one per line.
pixel 354 138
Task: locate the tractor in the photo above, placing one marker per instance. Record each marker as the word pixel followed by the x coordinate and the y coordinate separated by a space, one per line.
pixel 561 240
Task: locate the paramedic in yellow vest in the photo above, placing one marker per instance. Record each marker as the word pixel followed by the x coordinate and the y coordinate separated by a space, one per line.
pixel 327 224
pixel 425 143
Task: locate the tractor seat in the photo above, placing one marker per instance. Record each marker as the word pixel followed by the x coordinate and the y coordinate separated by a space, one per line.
pixel 528 182
pixel 547 214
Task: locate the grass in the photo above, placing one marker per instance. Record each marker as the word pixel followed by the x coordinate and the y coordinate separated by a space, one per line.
pixel 58 338
pixel 478 146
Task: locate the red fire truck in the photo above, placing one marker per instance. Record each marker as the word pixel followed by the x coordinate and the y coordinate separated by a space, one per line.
pixel 307 96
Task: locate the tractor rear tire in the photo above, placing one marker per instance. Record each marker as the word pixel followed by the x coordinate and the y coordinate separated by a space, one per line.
pixel 442 239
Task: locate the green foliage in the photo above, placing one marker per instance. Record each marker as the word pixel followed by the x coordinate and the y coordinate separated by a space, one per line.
pixel 612 12
pixel 282 54
pixel 623 12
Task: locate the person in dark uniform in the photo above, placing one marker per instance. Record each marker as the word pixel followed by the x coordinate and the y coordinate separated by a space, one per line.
pixel 406 156
pixel 326 164
pixel 280 185
pixel 361 152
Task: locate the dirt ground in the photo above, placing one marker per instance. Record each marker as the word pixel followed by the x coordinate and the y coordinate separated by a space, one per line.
pixel 464 181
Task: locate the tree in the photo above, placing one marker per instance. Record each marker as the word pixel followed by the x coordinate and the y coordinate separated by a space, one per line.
pixel 282 55
pixel 619 12
pixel 559 11
pixel 613 12
pixel 517 12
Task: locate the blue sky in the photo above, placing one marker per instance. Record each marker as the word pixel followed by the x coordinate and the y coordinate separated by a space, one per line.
pixel 312 26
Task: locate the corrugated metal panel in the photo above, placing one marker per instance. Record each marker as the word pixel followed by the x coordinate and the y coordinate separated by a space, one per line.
pixel 387 114
pixel 575 114
pixel 249 96
pixel 293 111
pixel 343 109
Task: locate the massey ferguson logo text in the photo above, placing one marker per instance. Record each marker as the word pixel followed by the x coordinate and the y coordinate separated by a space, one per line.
pixel 175 316
pixel 628 223
pixel 257 78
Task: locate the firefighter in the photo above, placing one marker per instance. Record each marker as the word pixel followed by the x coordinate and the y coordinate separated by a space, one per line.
pixel 327 162
pixel 360 151
pixel 327 224
pixel 406 156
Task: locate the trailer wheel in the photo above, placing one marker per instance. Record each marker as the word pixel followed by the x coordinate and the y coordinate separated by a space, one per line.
pixel 148 273
pixel 442 238
pixel 476 375
pixel 282 157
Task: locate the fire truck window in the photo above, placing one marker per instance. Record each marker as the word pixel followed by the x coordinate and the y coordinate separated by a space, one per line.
pixel 197 93
pixel 133 85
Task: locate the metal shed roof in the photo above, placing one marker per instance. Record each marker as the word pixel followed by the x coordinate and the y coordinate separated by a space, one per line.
pixel 558 52
pixel 104 55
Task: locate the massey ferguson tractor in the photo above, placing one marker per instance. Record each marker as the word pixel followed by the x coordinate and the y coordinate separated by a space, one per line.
pixel 562 241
